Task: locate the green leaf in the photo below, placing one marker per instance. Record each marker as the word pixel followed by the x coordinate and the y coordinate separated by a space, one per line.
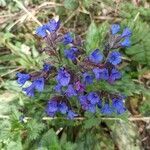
pixel 50 141
pixel 71 4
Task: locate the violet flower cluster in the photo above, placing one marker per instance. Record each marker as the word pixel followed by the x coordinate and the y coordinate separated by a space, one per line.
pixel 70 89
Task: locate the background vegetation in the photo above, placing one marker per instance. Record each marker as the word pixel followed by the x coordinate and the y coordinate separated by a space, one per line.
pixel 19 51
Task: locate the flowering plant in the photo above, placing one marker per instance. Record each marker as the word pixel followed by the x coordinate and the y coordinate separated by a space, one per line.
pixel 76 74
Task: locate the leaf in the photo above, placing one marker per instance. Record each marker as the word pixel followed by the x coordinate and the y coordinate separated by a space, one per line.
pixel 71 4
pixel 91 122
pixel 95 36
pixel 50 141
pixel 34 129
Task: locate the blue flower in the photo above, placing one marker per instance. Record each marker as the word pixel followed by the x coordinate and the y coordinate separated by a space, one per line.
pixel 114 75
pixel 70 91
pixel 126 33
pixel 63 77
pixel 93 98
pixel 71 53
pixel 106 109
pixel 114 58
pixel 63 108
pixel 96 56
pixel 58 88
pixel 126 42
pixel 42 30
pixel 53 25
pixel 84 102
pixel 29 90
pixel 118 105
pixel 91 108
pixel 37 84
pixel 67 38
pixel 101 73
pixel 47 67
pixel 88 78
pixel 52 108
pixel 115 28
pixel 71 114
pixel 22 78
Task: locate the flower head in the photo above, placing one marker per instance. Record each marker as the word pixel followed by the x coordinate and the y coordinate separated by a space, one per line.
pixel 115 28
pixel 52 108
pixel 88 78
pixel 114 75
pixel 93 98
pixel 71 114
pixel 71 53
pixel 106 109
pixel 63 108
pixel 63 77
pixel 101 73
pixel 118 105
pixel 42 30
pixel 70 91
pixel 126 33
pixel 22 78
pixel 114 58
pixel 47 67
pixel 53 25
pixel 67 38
pixel 29 90
pixel 58 88
pixel 37 84
pixel 126 42
pixel 96 56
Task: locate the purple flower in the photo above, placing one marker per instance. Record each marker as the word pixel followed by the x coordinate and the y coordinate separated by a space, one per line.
pixel 71 114
pixel 93 98
pixel 84 102
pixel 63 77
pixel 79 86
pixel 29 90
pixel 37 84
pixel 118 105
pixel 58 88
pixel 22 78
pixel 63 108
pixel 115 28
pixel 88 78
pixel 126 42
pixel 126 33
pixel 106 109
pixel 114 75
pixel 67 38
pixel 42 31
pixel 47 67
pixel 91 108
pixel 70 91
pixel 51 26
pixel 71 53
pixel 114 58
pixel 96 56
pixel 101 73
pixel 52 108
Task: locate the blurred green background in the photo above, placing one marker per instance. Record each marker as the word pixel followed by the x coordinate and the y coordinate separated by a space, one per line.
pixel 19 51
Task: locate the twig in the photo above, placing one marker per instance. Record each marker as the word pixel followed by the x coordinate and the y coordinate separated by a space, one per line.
pixel 82 118
pixel 29 13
